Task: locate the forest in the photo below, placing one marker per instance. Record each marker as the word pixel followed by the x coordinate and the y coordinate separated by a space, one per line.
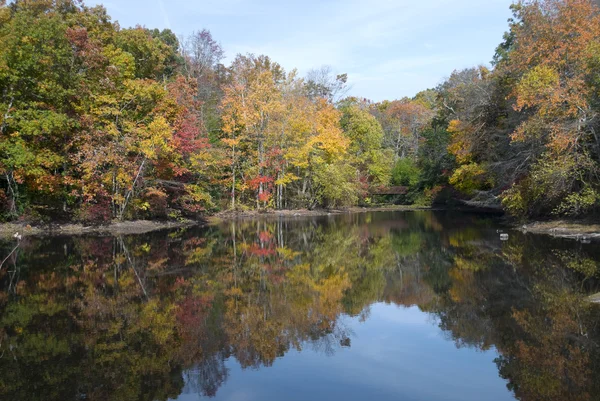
pixel 100 122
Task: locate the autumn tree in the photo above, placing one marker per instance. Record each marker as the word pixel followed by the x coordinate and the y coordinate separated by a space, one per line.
pixel 40 84
pixel 323 83
pixel 551 54
pixel 250 103
pixel 365 134
pixel 202 56
pixel 402 122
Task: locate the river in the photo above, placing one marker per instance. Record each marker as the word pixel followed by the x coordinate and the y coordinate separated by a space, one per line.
pixel 369 306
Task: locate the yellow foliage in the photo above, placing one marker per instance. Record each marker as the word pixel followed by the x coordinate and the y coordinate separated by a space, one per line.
pixel 470 177
pixel 460 143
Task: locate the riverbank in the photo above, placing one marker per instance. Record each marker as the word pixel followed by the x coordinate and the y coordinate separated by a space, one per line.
pixel 8 230
pixel 291 213
pixel 580 229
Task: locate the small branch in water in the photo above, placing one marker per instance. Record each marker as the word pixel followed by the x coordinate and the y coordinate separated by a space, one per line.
pixel 133 267
pixel 18 237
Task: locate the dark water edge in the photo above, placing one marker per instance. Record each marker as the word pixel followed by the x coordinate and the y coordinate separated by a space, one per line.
pixel 134 227
pixel 424 305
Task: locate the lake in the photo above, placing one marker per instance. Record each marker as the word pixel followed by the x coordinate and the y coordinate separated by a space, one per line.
pixel 368 306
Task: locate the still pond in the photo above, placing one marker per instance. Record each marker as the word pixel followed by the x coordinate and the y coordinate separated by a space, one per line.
pixel 368 306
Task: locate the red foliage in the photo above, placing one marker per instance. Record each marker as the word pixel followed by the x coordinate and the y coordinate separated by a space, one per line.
pixel 89 51
pixel 276 279
pixel 189 138
pixel 193 243
pixel 256 250
pixel 78 37
pixel 265 236
pixel 180 282
pixel 274 151
pixel 190 133
pixel 193 309
pixel 188 205
pixel 264 196
pixel 96 212
pixel 255 182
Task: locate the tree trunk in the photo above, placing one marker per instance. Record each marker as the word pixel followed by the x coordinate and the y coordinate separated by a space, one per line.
pixel 397 147
pixel 13 192
pixel 130 192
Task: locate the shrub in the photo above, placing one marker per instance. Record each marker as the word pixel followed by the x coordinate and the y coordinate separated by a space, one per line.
pixel 196 200
pixel 337 186
pixel 405 173
pixel 156 202
pixel 514 201
pixel 578 203
pixel 95 212
pixel 469 178
pixel 429 196
pixel 554 186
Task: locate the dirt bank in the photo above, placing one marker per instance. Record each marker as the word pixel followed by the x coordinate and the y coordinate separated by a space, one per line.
pixel 8 230
pixel 582 230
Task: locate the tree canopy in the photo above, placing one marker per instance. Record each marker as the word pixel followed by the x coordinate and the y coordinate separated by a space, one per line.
pixel 98 122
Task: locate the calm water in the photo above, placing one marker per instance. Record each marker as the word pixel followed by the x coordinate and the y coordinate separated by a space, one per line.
pixel 374 306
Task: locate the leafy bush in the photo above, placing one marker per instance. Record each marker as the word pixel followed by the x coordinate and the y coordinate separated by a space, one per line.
pixel 428 196
pixel 578 203
pixel 196 200
pixel 94 212
pixel 156 202
pixel 405 173
pixel 554 186
pixel 337 185
pixel 514 201
pixel 469 178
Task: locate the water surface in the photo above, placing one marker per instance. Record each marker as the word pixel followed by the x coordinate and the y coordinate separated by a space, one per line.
pixel 384 306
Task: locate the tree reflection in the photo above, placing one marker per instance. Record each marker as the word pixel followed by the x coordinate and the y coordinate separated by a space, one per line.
pixel 151 317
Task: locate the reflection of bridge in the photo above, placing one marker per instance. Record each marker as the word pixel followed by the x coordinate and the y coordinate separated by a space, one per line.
pixel 389 190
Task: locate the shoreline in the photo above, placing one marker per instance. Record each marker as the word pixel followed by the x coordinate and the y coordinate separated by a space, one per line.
pixel 576 229
pixel 585 229
pixel 291 213
pixel 8 230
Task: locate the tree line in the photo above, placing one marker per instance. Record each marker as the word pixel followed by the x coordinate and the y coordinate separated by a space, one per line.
pixel 98 122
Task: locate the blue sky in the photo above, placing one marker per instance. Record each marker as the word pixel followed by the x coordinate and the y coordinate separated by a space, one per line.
pixel 389 48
